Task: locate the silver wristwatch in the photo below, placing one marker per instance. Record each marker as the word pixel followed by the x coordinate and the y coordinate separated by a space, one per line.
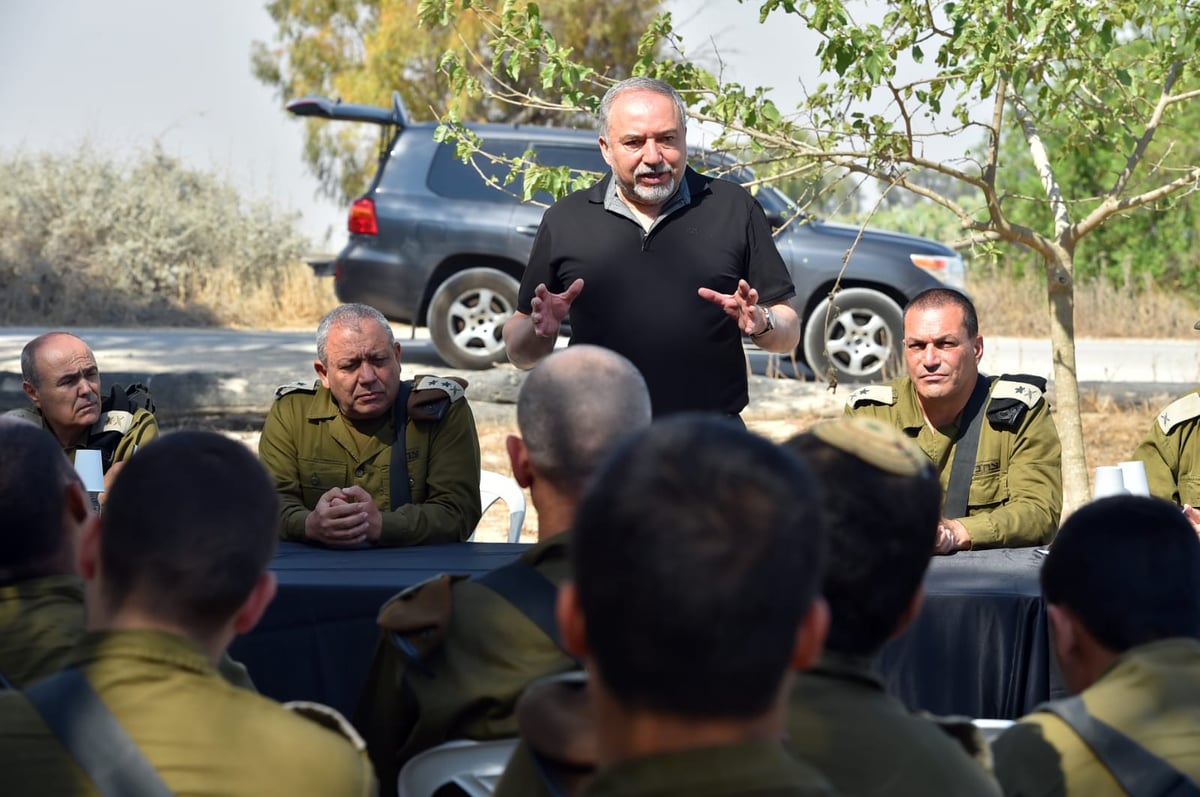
pixel 766 311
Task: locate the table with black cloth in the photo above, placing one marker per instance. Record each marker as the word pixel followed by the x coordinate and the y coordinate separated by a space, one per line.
pixel 978 647
pixel 317 637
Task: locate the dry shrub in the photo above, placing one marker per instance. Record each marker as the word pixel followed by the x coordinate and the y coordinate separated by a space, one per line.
pixel 1018 307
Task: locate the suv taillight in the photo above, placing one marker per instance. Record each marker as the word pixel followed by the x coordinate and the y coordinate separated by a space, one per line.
pixel 362 217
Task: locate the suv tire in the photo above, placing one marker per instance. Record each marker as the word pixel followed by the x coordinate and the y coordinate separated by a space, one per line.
pixel 860 342
pixel 467 314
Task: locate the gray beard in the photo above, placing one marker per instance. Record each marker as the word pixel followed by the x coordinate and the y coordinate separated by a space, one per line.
pixel 654 194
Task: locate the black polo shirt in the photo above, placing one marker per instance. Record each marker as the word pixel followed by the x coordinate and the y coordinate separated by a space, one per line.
pixel 640 289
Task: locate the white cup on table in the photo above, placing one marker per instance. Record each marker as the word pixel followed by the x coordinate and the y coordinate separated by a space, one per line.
pixel 1133 473
pixel 1109 481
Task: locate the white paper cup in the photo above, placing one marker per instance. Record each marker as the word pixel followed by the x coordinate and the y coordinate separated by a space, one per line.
pixel 90 469
pixel 1109 481
pixel 1133 473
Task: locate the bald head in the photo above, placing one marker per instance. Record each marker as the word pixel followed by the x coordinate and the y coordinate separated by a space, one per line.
pixel 34 478
pixel 574 407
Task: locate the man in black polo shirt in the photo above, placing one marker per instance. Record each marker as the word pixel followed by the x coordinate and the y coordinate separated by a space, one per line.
pixel 658 263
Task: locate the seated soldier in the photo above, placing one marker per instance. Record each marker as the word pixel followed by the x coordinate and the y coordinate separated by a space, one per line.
pixel 1122 591
pixel 840 714
pixel 173 576
pixel 1171 454
pixel 60 376
pixel 362 457
pixel 41 596
pixel 491 642
pixel 696 558
pixel 991 439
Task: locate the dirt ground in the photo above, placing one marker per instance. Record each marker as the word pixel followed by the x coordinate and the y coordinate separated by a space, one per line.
pixel 1111 432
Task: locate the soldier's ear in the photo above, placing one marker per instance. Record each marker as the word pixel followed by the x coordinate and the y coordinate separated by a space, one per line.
pixel 322 372
pixel 810 635
pixel 256 603
pixel 87 561
pixel 518 459
pixel 31 391
pixel 572 628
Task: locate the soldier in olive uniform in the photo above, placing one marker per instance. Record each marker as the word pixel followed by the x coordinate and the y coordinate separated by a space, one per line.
pixel 1011 489
pixel 41 596
pixel 1171 457
pixel 464 680
pixel 697 557
pixel 331 446
pixel 1122 590
pixel 60 376
pixel 840 714
pixel 173 576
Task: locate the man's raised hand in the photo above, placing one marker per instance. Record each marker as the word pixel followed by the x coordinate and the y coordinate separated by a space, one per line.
pixel 547 310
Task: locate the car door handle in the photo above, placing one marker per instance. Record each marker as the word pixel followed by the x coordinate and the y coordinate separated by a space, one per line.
pixel 528 229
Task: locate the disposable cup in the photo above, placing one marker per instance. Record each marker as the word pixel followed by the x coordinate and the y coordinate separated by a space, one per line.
pixel 1133 474
pixel 1109 481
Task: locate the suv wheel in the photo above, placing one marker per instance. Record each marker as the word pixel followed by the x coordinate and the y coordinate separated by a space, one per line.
pixel 467 314
pixel 860 340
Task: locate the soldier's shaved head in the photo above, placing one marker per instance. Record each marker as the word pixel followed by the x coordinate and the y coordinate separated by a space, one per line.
pixel 574 407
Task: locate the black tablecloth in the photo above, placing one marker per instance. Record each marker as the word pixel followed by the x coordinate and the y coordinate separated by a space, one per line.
pixel 979 646
pixel 316 639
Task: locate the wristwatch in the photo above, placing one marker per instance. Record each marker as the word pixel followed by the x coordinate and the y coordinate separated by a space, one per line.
pixel 766 311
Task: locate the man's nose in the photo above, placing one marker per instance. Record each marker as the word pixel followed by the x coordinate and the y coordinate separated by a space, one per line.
pixel 651 153
pixel 929 356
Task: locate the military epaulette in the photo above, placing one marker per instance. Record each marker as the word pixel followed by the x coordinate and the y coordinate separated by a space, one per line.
pixel 115 421
pixel 873 394
pixel 299 386
pixel 1013 396
pixel 1178 411
pixel 416 619
pixel 966 733
pixel 432 396
pixel 328 718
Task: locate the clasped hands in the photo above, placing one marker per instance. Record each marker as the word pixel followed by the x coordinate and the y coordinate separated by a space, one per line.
pixel 344 517
pixel 952 536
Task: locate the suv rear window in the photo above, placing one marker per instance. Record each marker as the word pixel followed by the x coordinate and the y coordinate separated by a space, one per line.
pixel 451 178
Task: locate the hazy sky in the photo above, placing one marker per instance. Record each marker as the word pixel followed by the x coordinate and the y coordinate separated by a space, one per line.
pixel 123 74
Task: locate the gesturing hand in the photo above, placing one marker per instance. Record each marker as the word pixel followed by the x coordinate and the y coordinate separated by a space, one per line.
pixel 547 310
pixel 741 306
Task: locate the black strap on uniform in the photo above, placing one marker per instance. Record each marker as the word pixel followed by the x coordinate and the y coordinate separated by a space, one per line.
pixel 529 591
pixel 94 738
pixel 5 683
pixel 400 490
pixel 1139 772
pixel 963 467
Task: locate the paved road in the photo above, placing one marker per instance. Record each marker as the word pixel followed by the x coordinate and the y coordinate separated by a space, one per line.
pixel 220 370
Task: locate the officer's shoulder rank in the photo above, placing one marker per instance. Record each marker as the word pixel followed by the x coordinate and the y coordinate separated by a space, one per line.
pixel 1178 411
pixel 1013 395
pixel 432 396
pixel 299 386
pixel 328 718
pixel 416 619
pixel 873 394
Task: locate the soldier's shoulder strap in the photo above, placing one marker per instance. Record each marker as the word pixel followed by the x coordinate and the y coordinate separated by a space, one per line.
pixel 415 620
pixel 1178 411
pixel 873 394
pixel 299 386
pixel 328 718
pixel 128 399
pixel 33 416
pixel 432 396
pixel 529 591
pixel 1012 397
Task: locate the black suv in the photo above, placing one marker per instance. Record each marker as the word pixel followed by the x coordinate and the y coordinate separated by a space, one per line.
pixel 432 243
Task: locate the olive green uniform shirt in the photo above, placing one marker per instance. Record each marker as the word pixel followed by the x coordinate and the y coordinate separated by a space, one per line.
pixel 749 769
pixel 308 449
pixel 135 429
pixel 1150 693
pixel 1015 497
pixel 842 721
pixel 41 619
pixel 467 687
pixel 1171 452
pixel 202 735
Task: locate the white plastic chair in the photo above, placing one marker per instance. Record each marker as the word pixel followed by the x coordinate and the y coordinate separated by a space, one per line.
pixel 495 486
pixel 474 767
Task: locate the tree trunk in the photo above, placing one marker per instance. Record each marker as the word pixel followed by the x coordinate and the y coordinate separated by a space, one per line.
pixel 1061 293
